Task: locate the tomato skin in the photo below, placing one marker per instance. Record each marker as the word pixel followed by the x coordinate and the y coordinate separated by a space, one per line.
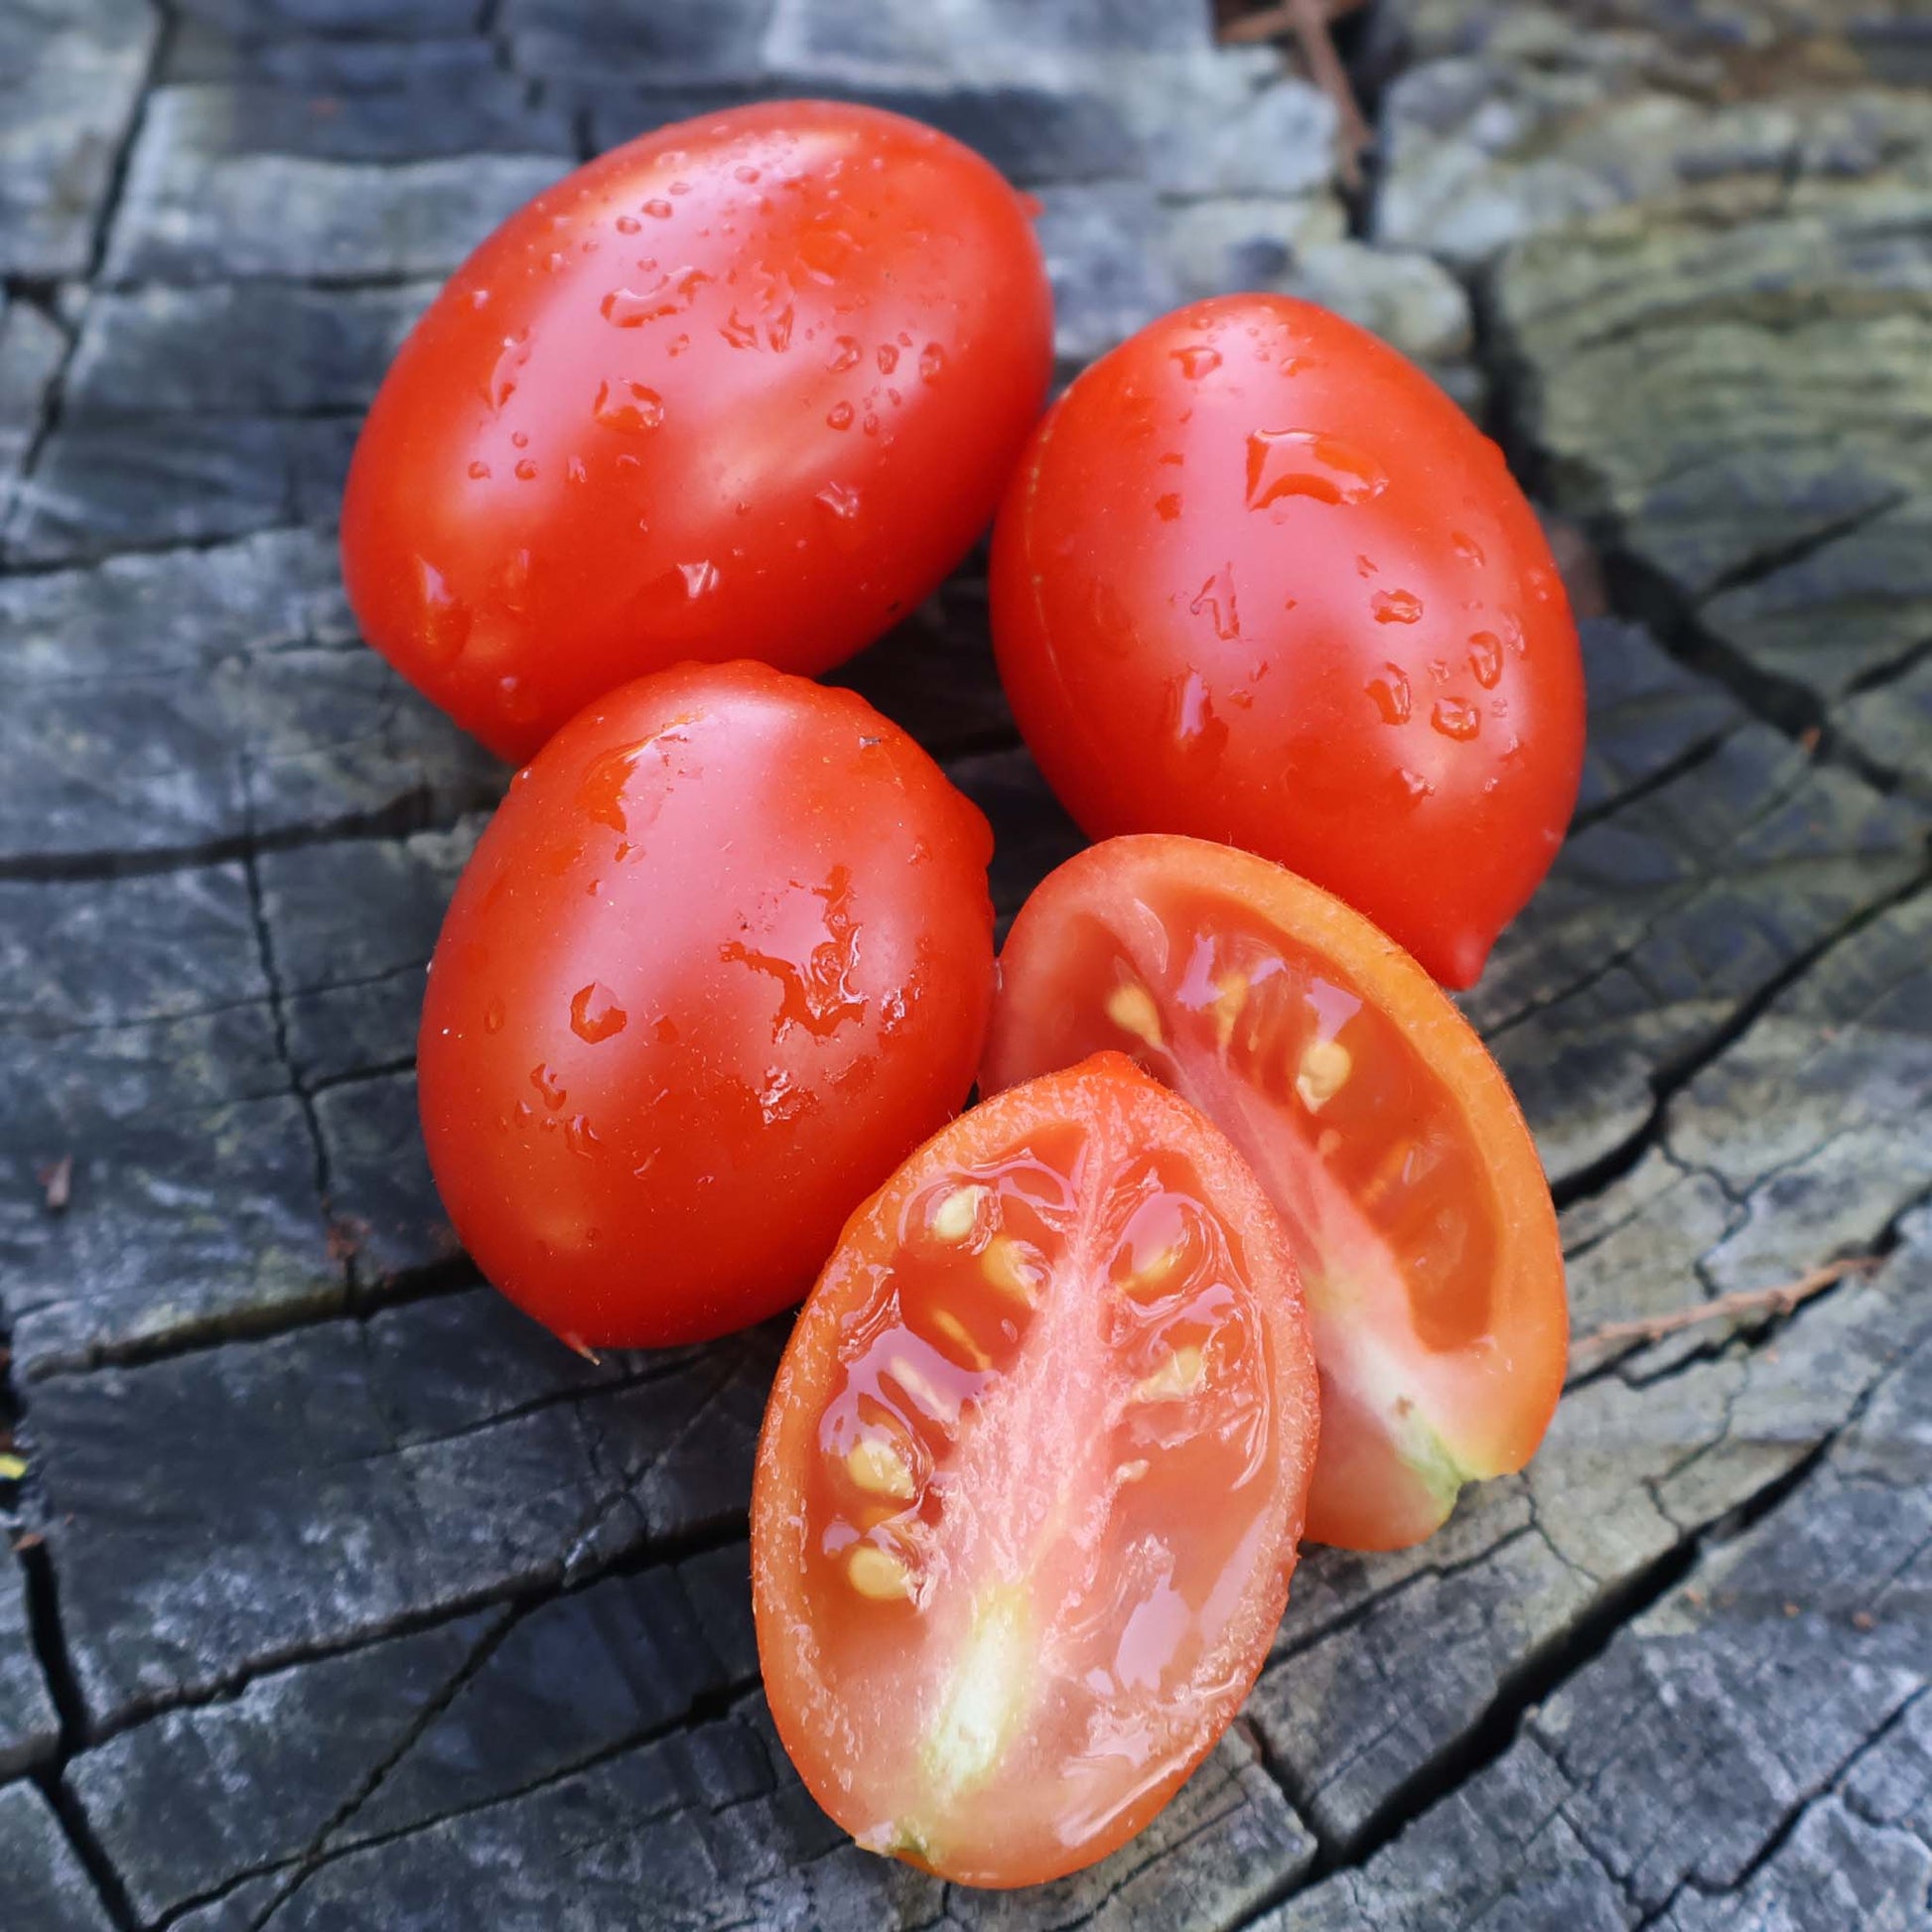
pixel 1258 580
pixel 862 1710
pixel 1407 1141
pixel 723 956
pixel 748 385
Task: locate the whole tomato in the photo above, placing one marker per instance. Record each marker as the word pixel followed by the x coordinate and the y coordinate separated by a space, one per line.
pixel 1260 581
pixel 749 384
pixel 721 960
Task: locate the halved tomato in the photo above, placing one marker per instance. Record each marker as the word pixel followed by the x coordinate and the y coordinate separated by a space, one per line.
pixel 1383 1132
pixel 1031 1479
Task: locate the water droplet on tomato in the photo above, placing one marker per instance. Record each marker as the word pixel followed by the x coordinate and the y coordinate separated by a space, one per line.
pixel 627 225
pixel 1199 735
pixel 667 295
pixel 932 361
pixel 700 579
pixel 1486 658
pixel 1396 607
pixel 1391 693
pixel 478 469
pixel 1216 601
pixel 445 617
pixel 1466 547
pixel 888 358
pixel 516 703
pixel 841 499
pixel 579 1138
pixel 513 581
pixel 1306 463
pixel 1168 508
pixel 746 173
pixel 493 1016
pixel 1413 786
pixel 839 416
pixel 738 331
pixel 1457 718
pixel 526 471
pixel 658 210
pixel 629 406
pixel 1197 360
pixel 595 1015
pixel 510 358
pixel 846 352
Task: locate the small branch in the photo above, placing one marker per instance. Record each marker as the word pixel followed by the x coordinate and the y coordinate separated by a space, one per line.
pixel 1308 20
pixel 1780 1300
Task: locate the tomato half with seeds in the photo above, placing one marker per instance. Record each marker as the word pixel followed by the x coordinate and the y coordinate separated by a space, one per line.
pixel 1375 1119
pixel 1032 1478
pixel 1259 580
pixel 748 385
pixel 722 958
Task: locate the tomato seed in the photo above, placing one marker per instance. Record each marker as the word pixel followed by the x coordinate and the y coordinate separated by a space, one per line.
pixel 1131 1008
pixel 878 1574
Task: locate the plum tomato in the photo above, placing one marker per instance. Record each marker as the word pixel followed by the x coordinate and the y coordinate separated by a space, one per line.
pixel 749 385
pixel 1374 1118
pixel 723 956
pixel 1258 580
pixel 1031 1479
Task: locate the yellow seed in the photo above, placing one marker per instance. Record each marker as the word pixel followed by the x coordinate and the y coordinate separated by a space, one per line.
pixel 1005 1268
pixel 937 1403
pixel 953 1218
pixel 1323 1072
pixel 1132 1471
pixel 879 1467
pixel 954 1330
pixel 1131 1008
pixel 1152 1273
pixel 1180 1375
pixel 1225 1006
pixel 878 1574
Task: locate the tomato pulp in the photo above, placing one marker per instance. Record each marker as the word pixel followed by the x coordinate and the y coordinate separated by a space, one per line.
pixel 1257 578
pixel 721 959
pixel 1374 1118
pixel 749 385
pixel 1030 1481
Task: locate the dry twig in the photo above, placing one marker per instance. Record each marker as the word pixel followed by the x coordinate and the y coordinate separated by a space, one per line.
pixel 1780 1300
pixel 1308 20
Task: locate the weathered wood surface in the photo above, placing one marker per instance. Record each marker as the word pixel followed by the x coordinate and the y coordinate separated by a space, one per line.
pixel 344 1598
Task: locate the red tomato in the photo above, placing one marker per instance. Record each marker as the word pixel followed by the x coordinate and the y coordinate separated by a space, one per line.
pixel 722 957
pixel 1259 580
pixel 752 383
pixel 1373 1117
pixel 1030 1481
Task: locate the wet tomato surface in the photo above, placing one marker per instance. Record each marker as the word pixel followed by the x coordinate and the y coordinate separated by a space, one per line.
pixel 721 959
pixel 1031 1481
pixel 747 386
pixel 1374 1118
pixel 1259 580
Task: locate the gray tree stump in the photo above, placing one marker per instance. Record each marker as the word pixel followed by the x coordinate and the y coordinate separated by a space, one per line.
pixel 342 1597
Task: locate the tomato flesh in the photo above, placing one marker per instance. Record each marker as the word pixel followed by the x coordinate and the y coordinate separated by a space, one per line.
pixel 1373 1117
pixel 722 958
pixel 1032 1478
pixel 1257 578
pixel 749 385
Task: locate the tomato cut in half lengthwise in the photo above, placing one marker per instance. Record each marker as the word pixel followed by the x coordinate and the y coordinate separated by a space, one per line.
pixel 1032 1480
pixel 1385 1134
